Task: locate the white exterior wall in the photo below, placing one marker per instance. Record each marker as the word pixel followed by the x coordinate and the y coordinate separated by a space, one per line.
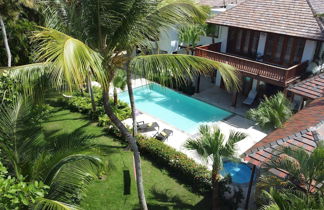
pixel 262 43
pixel 169 41
pixel 309 50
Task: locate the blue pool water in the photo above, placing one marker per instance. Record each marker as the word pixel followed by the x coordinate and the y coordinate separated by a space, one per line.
pixel 240 172
pixel 183 112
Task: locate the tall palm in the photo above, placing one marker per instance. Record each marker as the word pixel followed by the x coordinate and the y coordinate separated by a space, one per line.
pixel 112 28
pixel 190 35
pixel 211 145
pixel 119 82
pixel 305 169
pixel 272 112
pixel 64 163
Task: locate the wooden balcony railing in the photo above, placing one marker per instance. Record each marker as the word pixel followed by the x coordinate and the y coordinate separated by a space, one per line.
pixel 261 71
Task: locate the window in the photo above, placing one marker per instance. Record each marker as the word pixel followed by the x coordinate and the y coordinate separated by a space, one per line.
pixel 283 50
pixel 243 42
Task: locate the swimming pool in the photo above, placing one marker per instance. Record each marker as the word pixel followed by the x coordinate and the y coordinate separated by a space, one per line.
pixel 178 110
pixel 240 172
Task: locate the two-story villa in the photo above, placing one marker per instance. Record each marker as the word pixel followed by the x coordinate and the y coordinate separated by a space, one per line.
pixel 270 42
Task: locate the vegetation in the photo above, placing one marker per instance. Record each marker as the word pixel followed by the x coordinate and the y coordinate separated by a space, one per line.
pixel 305 172
pixel 212 146
pixel 163 190
pixel 16 193
pixel 291 199
pixel 131 25
pixel 272 112
pixel 65 164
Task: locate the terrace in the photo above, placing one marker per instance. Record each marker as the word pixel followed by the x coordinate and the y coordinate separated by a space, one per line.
pixel 273 74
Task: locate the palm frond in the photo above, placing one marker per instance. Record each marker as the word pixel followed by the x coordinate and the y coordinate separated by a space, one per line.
pixel 71 58
pixel 181 67
pixel 46 204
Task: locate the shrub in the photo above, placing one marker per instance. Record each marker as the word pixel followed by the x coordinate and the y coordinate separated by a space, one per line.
pixel 194 174
pixel 18 194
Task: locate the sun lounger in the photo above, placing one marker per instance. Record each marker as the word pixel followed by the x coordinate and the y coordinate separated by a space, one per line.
pixel 163 135
pixel 141 126
pixel 251 97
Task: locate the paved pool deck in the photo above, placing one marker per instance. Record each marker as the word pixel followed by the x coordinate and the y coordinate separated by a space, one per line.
pixel 213 95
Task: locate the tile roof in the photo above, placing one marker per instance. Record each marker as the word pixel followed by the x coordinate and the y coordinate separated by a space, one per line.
pixel 219 3
pixel 311 88
pixel 307 139
pixel 308 117
pixel 289 17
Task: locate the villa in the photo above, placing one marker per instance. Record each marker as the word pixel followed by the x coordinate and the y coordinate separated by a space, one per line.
pixel 271 43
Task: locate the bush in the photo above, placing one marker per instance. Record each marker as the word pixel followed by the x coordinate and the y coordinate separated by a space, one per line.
pixel 18 194
pixel 192 173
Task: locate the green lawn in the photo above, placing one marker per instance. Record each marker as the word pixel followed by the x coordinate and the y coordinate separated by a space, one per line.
pixel 162 191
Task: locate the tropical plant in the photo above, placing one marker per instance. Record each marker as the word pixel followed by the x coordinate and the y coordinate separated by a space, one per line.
pixel 290 200
pixel 64 163
pixel 305 169
pixel 16 193
pixel 119 82
pixel 272 112
pixel 212 146
pixel 190 35
pixel 113 29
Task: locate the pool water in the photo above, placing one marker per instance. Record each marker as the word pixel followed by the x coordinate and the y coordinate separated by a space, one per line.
pixel 178 110
pixel 240 172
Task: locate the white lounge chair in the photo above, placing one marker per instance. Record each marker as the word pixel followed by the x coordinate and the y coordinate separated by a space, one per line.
pixel 251 97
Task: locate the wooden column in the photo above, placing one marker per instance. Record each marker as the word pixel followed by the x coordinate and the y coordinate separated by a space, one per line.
pixel 249 189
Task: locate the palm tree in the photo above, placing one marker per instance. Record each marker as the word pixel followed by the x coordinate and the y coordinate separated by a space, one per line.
pixel 113 29
pixel 64 163
pixel 119 82
pixel 272 112
pixel 305 169
pixel 289 200
pixel 211 145
pixel 190 35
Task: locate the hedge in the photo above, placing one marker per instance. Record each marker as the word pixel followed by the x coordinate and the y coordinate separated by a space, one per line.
pixel 177 162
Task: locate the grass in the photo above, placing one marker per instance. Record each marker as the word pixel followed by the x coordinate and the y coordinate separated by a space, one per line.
pixel 162 191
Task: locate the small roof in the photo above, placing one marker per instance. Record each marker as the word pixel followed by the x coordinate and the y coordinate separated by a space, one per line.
pixel 311 88
pixel 219 3
pixel 290 17
pixel 308 117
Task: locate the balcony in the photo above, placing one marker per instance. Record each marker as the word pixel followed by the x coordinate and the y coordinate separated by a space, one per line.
pixel 268 73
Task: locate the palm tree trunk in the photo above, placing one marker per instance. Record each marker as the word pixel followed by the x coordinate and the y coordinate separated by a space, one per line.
pixel 90 90
pixel 115 96
pixel 5 40
pixel 131 97
pixel 132 143
pixel 215 186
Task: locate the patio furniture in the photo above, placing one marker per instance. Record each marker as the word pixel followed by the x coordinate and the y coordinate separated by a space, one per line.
pixel 251 97
pixel 163 135
pixel 141 126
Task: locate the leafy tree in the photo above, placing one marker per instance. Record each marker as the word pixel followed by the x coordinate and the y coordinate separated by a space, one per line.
pixel 16 193
pixel 64 163
pixel 212 146
pixel 272 112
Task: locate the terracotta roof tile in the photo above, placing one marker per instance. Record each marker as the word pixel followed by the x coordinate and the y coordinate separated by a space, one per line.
pixel 310 88
pixel 289 17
